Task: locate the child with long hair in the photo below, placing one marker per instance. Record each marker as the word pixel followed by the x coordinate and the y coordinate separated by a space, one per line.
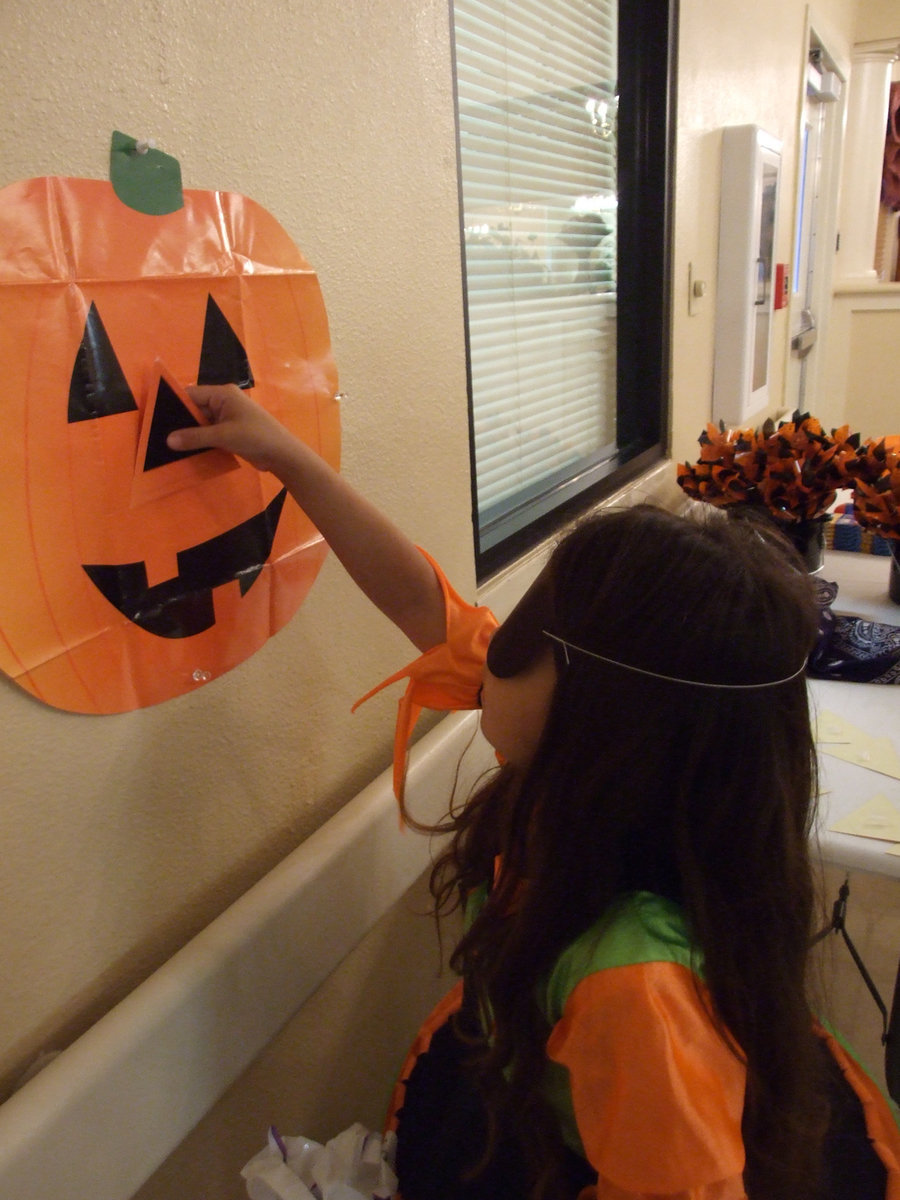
pixel 633 1019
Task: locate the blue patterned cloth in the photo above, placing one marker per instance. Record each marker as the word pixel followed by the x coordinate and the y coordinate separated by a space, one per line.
pixel 852 648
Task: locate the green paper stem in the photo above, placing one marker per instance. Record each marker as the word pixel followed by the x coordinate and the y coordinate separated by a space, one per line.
pixel 146 180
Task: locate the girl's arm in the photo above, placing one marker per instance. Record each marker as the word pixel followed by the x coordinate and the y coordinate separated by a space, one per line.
pixel 377 556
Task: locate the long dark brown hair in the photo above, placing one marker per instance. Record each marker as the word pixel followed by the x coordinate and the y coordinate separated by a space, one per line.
pixel 705 796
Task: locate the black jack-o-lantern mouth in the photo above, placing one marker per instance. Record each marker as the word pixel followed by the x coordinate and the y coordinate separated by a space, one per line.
pixel 182 606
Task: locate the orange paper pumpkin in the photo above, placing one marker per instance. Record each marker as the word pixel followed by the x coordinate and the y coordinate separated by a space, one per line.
pixel 131 574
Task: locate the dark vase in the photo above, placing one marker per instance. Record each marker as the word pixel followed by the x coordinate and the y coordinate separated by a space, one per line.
pixel 894 579
pixel 808 538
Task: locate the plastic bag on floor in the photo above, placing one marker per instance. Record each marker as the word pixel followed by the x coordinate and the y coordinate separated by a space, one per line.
pixel 355 1165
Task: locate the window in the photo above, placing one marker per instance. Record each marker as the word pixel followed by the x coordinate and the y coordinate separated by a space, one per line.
pixel 564 133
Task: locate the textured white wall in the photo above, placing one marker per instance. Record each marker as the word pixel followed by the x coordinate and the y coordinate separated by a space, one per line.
pixel 877 19
pixel 124 835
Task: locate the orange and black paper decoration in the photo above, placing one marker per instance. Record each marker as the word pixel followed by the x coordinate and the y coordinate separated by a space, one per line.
pixel 131 574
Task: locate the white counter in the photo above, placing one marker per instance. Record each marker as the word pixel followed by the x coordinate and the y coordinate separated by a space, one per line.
pixel 863 583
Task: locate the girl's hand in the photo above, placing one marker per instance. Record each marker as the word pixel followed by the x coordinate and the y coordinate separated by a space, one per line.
pixel 238 425
pixel 380 559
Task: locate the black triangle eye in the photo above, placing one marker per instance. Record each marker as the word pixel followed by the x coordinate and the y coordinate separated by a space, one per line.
pixel 223 358
pixel 98 387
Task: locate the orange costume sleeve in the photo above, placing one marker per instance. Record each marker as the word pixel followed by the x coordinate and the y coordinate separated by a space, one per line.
pixel 446 677
pixel 657 1095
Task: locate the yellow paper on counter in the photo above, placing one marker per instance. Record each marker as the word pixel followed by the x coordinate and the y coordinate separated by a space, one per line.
pixel 831 728
pixel 840 739
pixel 875 754
pixel 877 818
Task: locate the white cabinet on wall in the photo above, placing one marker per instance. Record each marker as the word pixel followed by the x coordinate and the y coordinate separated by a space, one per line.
pixel 751 164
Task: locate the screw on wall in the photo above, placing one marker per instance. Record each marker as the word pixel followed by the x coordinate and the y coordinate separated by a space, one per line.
pixel 697 289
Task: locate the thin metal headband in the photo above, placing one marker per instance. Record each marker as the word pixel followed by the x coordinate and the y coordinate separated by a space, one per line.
pixel 567 646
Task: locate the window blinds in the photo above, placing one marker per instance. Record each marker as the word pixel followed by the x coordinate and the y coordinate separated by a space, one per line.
pixel 536 85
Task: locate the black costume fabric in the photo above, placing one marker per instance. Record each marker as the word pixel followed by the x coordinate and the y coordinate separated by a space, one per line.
pixel 442 1132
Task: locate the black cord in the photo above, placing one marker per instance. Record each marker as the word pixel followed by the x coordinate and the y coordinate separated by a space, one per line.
pixel 838 924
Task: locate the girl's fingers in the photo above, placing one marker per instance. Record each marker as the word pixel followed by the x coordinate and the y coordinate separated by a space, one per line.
pixel 192 438
pixel 213 399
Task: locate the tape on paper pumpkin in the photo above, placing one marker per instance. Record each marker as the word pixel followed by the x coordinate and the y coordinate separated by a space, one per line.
pixel 131 574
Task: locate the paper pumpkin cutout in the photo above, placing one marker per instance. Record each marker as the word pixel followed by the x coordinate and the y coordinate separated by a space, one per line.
pixel 131 573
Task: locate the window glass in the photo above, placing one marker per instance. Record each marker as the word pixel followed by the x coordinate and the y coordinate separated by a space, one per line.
pixel 539 131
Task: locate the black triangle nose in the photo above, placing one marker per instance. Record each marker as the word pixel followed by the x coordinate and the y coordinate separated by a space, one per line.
pixel 169 413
